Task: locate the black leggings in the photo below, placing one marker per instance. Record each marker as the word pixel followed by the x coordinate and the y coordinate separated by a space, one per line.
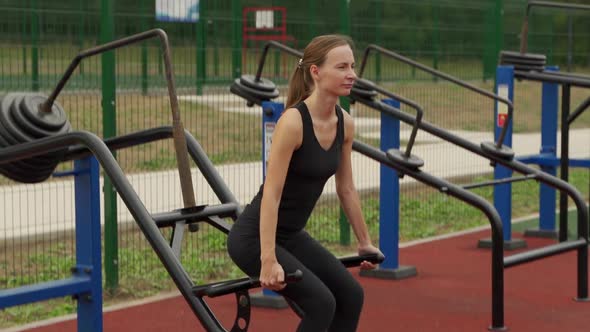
pixel 330 298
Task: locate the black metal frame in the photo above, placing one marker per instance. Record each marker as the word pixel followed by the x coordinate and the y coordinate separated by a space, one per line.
pixel 581 244
pixel 566 80
pixel 403 59
pixel 186 182
pixel 82 144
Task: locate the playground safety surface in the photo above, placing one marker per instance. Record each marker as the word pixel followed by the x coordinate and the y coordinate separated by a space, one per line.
pixel 452 292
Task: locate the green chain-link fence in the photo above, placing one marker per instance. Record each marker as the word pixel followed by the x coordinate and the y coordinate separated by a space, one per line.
pixel 38 39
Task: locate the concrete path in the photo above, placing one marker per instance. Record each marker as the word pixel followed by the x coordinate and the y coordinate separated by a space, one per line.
pixel 53 207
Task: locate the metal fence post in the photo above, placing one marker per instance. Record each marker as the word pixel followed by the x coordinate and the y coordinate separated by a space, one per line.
pixel 35 45
pixel 201 51
pixel 236 38
pixel 109 127
pixel 345 104
pixel 144 50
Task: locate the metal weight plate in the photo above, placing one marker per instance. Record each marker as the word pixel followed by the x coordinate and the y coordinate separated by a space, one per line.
pixel 523 56
pixel 30 170
pixel 264 95
pixel 13 130
pixel 523 61
pixel 261 85
pixel 503 152
pixel 6 121
pixel 17 128
pixel 398 156
pixel 14 173
pixel 237 89
pixel 29 127
pixel 518 61
pixel 53 120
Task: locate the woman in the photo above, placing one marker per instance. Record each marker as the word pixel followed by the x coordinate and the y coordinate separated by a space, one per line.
pixel 312 141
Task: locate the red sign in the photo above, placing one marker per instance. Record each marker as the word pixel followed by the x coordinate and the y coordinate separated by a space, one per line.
pixel 502 119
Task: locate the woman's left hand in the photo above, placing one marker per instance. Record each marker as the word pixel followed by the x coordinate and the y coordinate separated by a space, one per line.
pixel 366 250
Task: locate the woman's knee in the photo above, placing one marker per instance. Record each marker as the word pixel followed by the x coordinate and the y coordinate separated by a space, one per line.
pixel 320 311
pixel 351 300
pixel 319 308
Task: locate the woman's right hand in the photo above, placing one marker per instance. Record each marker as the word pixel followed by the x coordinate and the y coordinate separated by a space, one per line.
pixel 272 276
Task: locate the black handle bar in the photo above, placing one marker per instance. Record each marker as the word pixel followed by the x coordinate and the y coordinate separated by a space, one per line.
pixel 357 260
pixel 237 285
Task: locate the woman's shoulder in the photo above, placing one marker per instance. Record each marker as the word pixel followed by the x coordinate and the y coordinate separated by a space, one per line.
pixel 290 120
pixel 290 124
pixel 291 117
pixel 348 122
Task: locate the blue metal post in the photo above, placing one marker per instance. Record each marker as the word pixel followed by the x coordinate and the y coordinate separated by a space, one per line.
pixel 547 195
pixel 389 192
pixel 547 160
pixel 85 284
pixel 271 112
pixel 389 205
pixel 503 192
pixel 88 251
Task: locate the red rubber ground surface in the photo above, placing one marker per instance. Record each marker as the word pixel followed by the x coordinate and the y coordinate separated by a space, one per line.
pixel 451 293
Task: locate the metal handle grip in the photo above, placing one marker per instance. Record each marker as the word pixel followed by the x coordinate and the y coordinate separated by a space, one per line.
pixel 353 261
pixel 245 284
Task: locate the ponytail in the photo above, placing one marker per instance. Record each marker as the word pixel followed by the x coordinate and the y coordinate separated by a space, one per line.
pixel 298 89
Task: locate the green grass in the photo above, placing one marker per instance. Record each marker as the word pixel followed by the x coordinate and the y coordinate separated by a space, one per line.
pixel 533 223
pixel 423 213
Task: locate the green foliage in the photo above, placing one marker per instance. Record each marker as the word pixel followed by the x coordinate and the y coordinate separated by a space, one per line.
pixel 423 213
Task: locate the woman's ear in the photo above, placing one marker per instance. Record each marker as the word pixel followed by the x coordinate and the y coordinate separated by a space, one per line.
pixel 314 71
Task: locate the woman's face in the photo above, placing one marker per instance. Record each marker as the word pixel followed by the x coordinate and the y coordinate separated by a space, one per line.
pixel 336 75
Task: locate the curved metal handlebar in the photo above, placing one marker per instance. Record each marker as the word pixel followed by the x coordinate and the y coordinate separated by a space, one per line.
pixel 237 285
pixel 180 146
pixel 442 75
pixel 405 101
pixel 278 45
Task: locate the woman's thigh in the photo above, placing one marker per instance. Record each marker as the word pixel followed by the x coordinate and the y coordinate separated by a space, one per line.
pixel 323 264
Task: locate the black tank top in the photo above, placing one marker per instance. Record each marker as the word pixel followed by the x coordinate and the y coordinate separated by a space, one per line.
pixel 310 167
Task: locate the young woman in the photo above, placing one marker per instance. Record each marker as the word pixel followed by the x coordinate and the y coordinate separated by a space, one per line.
pixel 312 141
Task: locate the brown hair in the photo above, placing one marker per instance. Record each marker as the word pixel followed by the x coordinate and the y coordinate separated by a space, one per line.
pixel 301 83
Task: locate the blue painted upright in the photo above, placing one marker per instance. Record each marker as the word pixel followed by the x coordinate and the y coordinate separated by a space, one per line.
pixel 389 192
pixel 503 192
pixel 271 112
pixel 85 284
pixel 549 111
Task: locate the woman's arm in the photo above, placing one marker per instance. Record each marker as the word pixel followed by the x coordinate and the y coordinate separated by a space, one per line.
pixel 286 139
pixel 346 190
pixel 349 197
